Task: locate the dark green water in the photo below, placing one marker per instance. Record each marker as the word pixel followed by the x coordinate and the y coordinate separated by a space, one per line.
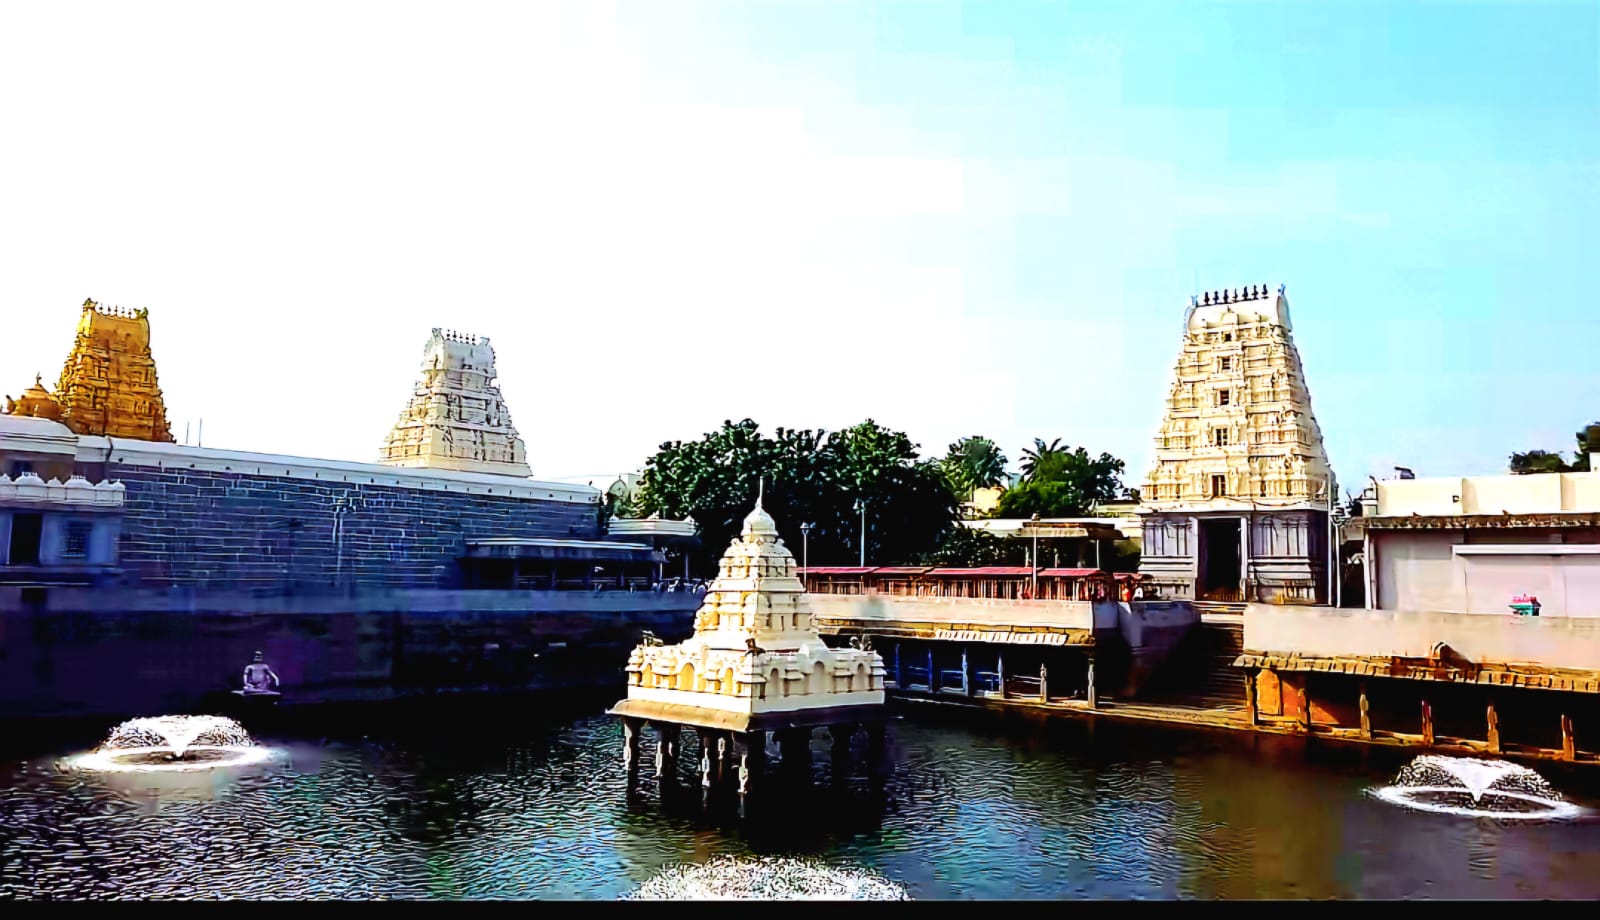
pixel 481 805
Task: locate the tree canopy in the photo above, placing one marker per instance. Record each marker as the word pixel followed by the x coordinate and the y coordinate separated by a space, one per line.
pixel 1544 461
pixel 1059 481
pixel 973 463
pixel 812 476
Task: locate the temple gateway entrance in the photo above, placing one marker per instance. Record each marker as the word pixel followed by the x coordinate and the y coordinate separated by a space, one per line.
pixel 1220 561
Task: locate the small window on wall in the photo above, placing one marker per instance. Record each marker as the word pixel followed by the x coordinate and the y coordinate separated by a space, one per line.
pixel 1219 486
pixel 1227 363
pixel 1224 397
pixel 1219 437
pixel 77 542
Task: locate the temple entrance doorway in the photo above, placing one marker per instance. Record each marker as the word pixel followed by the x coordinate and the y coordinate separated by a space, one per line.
pixel 1220 561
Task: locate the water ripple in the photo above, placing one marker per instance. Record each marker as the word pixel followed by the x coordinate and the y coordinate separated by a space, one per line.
pixel 549 815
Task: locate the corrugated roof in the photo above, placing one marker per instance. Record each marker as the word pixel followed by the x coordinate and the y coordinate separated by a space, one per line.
pixel 986 571
pixel 836 570
pixel 1068 573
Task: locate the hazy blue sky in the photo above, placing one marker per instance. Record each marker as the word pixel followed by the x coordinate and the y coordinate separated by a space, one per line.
pixel 954 218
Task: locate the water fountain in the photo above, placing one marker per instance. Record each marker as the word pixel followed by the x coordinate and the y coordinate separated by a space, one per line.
pixel 767 879
pixel 1476 788
pixel 166 743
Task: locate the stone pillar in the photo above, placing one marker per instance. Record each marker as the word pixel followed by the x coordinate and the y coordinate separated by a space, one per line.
pixel 1569 739
pixel 750 752
pixel 1369 572
pixel 1427 724
pixel 1305 703
pixel 1244 559
pixel 1195 549
pixel 966 675
pixel 899 674
pixel 722 755
pixel 708 742
pixel 933 676
pixel 630 745
pixel 1494 729
pixel 667 750
pixel 1000 673
pixel 1251 712
pixel 1089 684
pixel 1044 684
pixel 841 749
pixel 1366 713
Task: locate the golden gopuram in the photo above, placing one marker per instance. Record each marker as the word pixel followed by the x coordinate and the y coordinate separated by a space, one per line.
pixel 108 385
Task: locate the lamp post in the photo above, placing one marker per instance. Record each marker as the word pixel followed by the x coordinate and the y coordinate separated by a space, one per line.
pixel 1033 525
pixel 805 554
pixel 861 506
pixel 1333 548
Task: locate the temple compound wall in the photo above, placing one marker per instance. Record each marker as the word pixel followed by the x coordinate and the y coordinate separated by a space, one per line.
pixel 1236 506
pixel 227 519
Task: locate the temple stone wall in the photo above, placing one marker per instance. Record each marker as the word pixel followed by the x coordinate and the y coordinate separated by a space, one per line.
pixel 178 651
pixel 231 530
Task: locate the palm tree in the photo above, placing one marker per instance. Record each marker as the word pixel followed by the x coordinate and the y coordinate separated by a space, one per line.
pixel 973 463
pixel 1031 459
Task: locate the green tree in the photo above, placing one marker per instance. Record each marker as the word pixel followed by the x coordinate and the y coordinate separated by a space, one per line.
pixel 1539 461
pixel 1062 482
pixel 973 463
pixel 1039 453
pixel 811 477
pixel 1544 461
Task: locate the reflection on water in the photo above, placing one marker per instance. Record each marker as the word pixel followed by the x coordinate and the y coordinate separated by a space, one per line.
pixel 966 812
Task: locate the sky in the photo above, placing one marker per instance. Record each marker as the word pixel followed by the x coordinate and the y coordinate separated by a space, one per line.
pixel 955 219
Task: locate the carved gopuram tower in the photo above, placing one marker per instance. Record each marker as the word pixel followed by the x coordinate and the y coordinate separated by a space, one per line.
pixel 456 419
pixel 108 385
pixel 1236 506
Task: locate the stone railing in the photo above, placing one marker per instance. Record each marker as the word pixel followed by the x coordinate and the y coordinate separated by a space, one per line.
pixel 28 487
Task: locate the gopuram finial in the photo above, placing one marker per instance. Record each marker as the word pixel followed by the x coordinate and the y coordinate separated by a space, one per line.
pixel 761 489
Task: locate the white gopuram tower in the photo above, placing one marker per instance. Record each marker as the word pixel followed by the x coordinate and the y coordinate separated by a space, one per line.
pixel 755 664
pixel 456 419
pixel 1236 506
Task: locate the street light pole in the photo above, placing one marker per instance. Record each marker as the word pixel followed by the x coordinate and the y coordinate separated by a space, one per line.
pixel 805 554
pixel 1033 523
pixel 861 505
